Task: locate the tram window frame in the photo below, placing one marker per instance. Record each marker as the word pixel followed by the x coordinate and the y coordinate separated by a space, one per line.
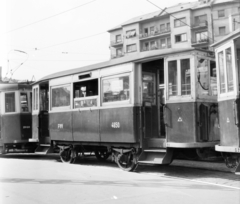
pixel 24 108
pixel 206 77
pixel 122 101
pixel 224 86
pixel 178 78
pixel 91 88
pixel 64 106
pixel 35 99
pixel 13 101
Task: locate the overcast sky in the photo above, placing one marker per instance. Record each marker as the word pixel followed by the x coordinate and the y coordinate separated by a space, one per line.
pixel 48 36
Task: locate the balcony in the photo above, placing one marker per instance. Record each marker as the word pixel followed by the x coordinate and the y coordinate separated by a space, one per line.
pixel 200 42
pixel 117 43
pixel 144 49
pixel 199 25
pixel 117 56
pixel 154 34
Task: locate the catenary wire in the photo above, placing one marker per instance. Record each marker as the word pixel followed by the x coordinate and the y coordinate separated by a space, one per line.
pixel 44 19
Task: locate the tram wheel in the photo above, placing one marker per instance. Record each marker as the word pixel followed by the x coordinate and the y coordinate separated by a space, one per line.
pixel 232 163
pixel 102 155
pixel 126 162
pixel 68 155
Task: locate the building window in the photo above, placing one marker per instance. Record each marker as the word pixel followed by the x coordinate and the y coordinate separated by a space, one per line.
pixel 168 42
pixel 168 26
pixel 222 30
pixel 146 46
pixel 153 45
pixel 118 38
pixel 119 52
pixel 131 33
pixel 132 48
pixel 61 96
pixel 10 102
pixel 162 27
pixel 202 36
pixel 181 38
pixel 200 19
pixel 152 30
pixel 221 13
pixel 163 43
pixel 180 22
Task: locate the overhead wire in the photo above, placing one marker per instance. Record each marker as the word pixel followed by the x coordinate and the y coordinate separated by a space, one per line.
pixel 50 16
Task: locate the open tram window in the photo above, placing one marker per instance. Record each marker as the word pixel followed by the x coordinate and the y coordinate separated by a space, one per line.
pixel 61 96
pixel 85 93
pixel 116 89
pixel 24 102
pixel 10 102
pixel 206 77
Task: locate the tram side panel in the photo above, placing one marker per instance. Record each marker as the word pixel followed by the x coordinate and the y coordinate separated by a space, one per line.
pixel 60 126
pixel 181 125
pixel 228 120
pixel 192 122
pixel 118 125
pixel 86 126
pixel 11 128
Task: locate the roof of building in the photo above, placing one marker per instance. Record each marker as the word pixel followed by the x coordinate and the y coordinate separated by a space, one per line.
pixel 139 57
pixel 173 9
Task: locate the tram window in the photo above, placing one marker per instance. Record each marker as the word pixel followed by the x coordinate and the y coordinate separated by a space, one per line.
pixel 149 83
pixel 229 69
pixel 206 77
pixel 85 93
pixel 61 96
pixel 213 78
pixel 9 102
pixel 24 102
pixel 221 71
pixel 35 99
pixel 185 77
pixel 116 89
pixel 172 78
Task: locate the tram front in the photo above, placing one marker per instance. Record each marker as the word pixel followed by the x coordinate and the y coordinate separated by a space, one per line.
pixel 227 53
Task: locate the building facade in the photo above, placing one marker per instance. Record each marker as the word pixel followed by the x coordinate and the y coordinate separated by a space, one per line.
pixel 196 24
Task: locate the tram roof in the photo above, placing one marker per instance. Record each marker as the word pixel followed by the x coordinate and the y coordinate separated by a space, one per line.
pixel 5 86
pixel 233 35
pixel 139 57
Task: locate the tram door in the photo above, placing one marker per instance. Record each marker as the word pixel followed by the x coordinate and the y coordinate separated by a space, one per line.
pixel 40 113
pixel 154 129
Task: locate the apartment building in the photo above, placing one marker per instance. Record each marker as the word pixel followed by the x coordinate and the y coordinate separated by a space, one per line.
pixel 194 24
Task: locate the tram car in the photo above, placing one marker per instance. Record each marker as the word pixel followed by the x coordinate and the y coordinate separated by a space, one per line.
pixel 16 118
pixel 139 108
pixel 227 53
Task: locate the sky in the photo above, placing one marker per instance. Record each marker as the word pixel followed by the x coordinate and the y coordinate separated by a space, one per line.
pixel 41 37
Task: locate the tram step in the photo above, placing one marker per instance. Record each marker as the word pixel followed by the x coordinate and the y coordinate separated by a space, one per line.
pixel 44 149
pixel 156 156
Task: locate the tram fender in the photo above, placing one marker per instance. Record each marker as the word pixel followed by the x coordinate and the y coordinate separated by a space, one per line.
pixel 122 151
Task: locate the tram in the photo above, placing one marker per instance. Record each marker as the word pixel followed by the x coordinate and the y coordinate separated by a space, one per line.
pixel 16 118
pixel 140 109
pixel 228 68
